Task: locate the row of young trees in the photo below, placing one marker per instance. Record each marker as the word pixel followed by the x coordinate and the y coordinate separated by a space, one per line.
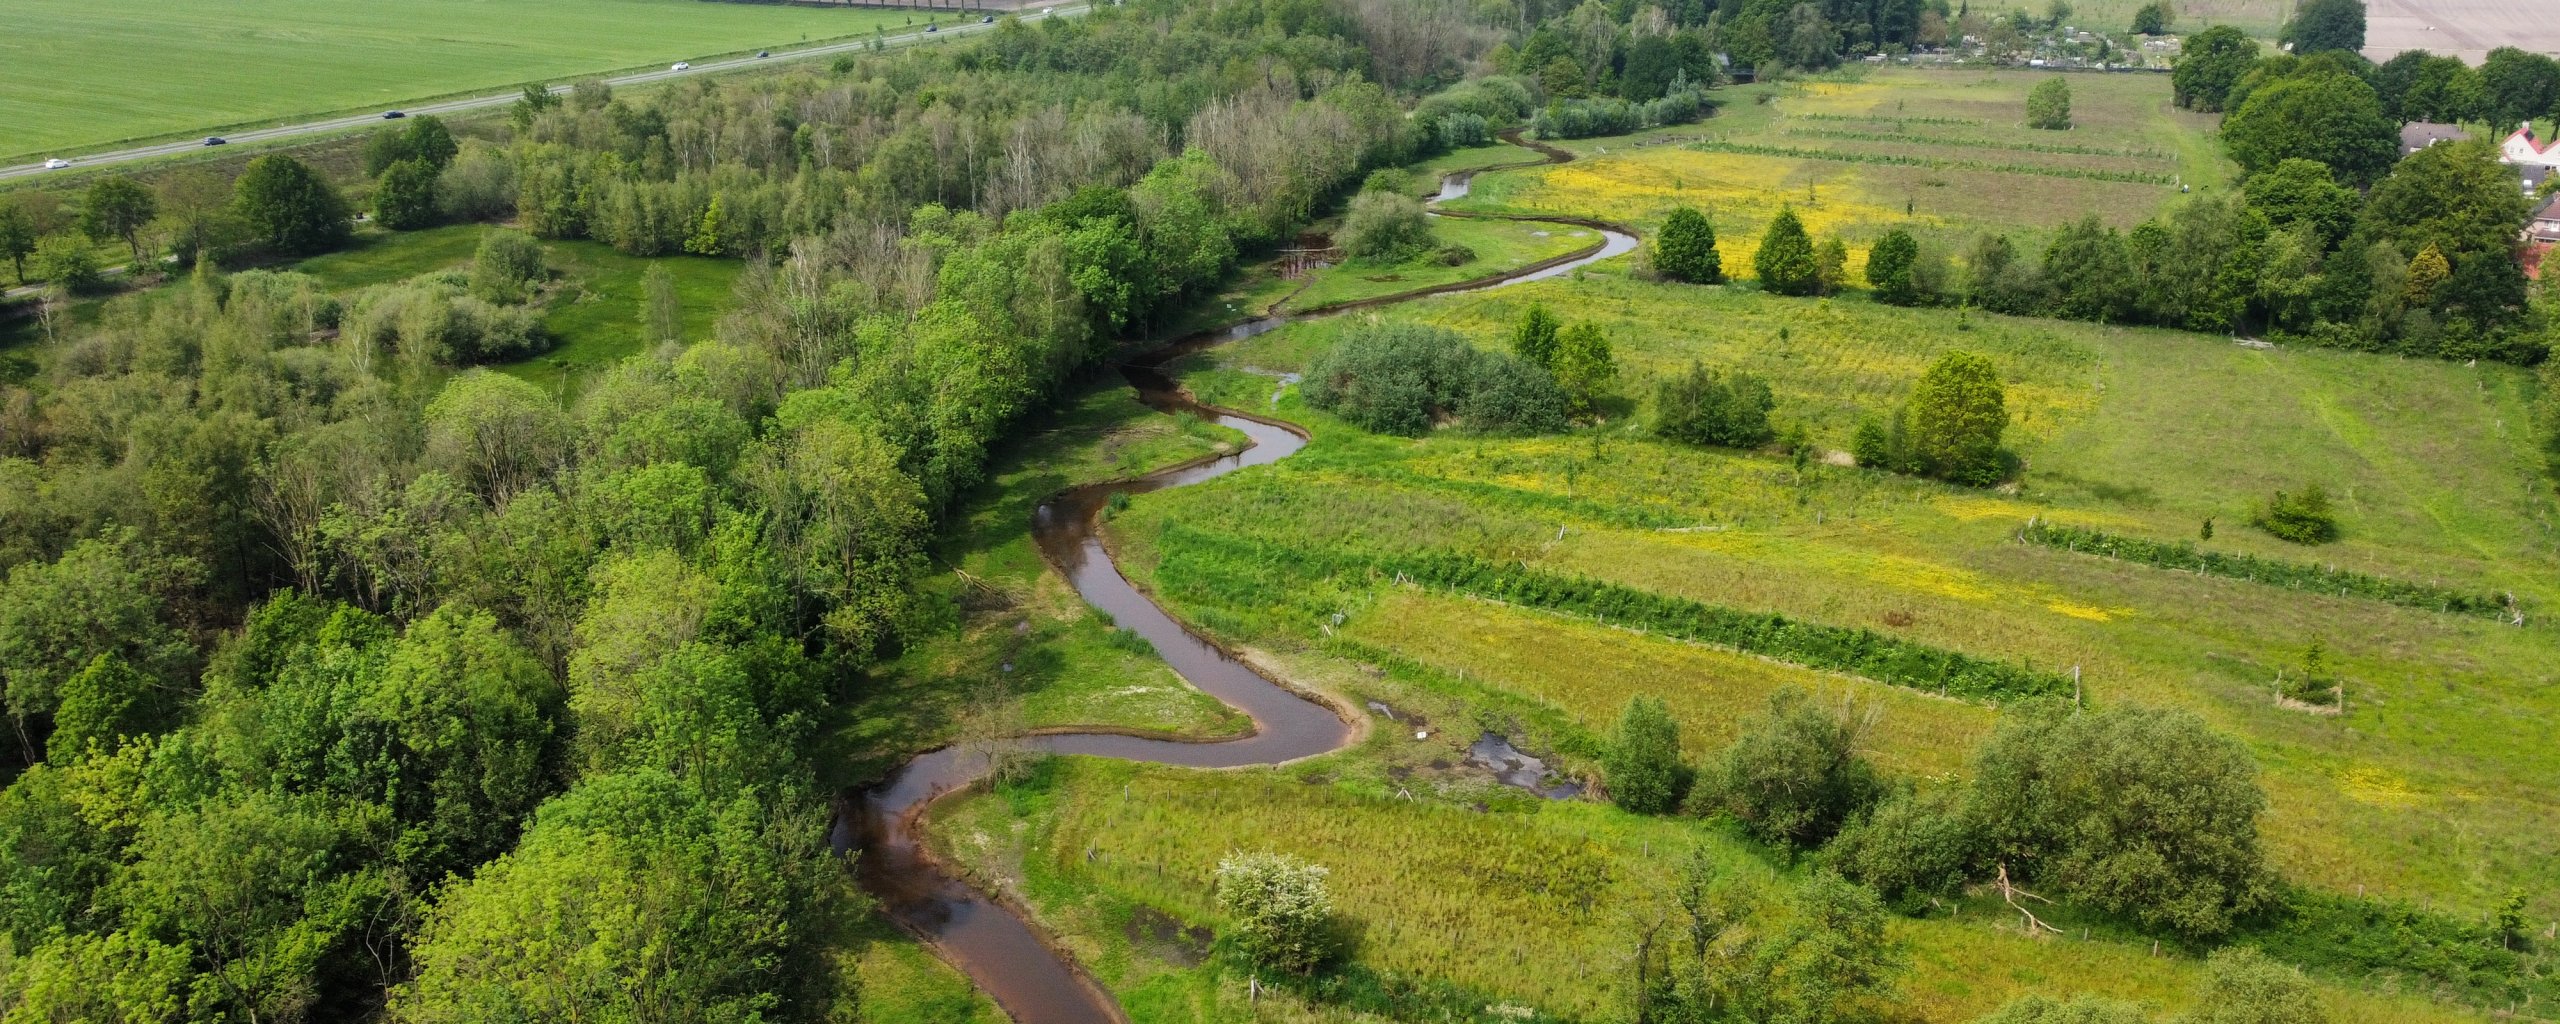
pixel 341 679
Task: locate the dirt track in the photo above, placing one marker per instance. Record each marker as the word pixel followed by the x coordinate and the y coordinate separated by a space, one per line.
pixel 2468 29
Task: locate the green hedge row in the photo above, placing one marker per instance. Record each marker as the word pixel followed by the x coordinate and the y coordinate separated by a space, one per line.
pixel 1933 163
pixel 1859 652
pixel 2289 575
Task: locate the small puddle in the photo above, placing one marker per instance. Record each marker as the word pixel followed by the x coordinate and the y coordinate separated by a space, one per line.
pixel 1493 751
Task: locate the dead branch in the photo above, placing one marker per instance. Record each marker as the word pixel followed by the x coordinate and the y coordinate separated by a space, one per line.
pixel 2009 893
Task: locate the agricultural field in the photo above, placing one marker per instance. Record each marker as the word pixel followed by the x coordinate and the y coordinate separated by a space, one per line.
pixel 1861 152
pixel 77 76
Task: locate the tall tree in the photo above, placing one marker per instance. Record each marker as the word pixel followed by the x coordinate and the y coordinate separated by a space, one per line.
pixel 404 198
pixel 2521 85
pixel 1584 367
pixel 2318 114
pixel 1643 766
pixel 1685 248
pixel 1890 266
pixel 2049 104
pixel 17 238
pixel 117 208
pixel 1533 339
pixel 289 207
pixel 2211 62
pixel 1957 416
pixel 1785 261
pixel 2326 25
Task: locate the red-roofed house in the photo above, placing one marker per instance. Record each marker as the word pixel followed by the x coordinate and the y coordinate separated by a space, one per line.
pixel 2520 148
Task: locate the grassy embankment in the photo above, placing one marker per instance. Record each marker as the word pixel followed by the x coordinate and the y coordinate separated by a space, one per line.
pixel 2421 792
pixel 71 80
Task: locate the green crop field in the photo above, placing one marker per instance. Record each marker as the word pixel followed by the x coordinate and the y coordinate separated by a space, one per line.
pixel 78 76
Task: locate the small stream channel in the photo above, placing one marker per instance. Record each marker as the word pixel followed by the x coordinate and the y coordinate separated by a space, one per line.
pixel 988 939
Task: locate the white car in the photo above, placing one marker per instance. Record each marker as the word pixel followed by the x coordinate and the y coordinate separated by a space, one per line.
pixel 682 65
pixel 56 164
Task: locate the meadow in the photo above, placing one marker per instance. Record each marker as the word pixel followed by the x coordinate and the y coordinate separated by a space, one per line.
pixel 1467 895
pixel 1859 152
pixel 79 76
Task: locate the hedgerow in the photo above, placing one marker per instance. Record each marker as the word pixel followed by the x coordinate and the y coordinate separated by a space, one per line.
pixel 2251 568
pixel 1934 163
pixel 1858 652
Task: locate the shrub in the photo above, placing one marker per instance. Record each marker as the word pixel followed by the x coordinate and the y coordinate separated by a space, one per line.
pixel 1910 847
pixel 67 263
pixel 479 185
pixel 1786 262
pixel 1508 396
pixel 1385 227
pixel 2041 1009
pixel 1643 766
pixel 1794 776
pixel 1957 416
pixel 1281 907
pixel 2142 812
pixel 2303 517
pixel 1454 256
pixel 2049 104
pixel 1685 248
pixel 1391 180
pixel 1584 367
pixel 1533 339
pixel 1871 446
pixel 507 266
pixel 1708 407
pixel 2243 986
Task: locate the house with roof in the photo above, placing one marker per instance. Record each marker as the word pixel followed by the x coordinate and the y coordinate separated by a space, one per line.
pixel 2544 228
pixel 2417 135
pixel 2533 160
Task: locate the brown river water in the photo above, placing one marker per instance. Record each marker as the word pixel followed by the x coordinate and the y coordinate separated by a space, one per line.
pixel 987 938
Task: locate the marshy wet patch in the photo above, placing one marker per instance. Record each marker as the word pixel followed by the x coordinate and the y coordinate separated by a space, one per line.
pixel 1160 935
pixel 1510 766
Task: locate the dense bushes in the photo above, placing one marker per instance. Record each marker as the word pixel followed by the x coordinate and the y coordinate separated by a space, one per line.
pixel 1281 908
pixel 2303 517
pixel 1706 406
pixel 2320 579
pixel 2145 814
pixel 1385 226
pixel 1793 777
pixel 1402 378
pixel 1584 118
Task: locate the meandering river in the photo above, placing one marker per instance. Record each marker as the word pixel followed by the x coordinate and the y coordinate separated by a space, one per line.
pixel 983 936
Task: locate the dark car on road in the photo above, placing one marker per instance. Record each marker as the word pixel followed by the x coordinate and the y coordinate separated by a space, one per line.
pixel 764 53
pixel 394 115
pixel 216 140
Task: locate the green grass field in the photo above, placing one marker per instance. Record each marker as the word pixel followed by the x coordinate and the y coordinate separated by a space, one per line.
pixel 78 76
pixel 1862 151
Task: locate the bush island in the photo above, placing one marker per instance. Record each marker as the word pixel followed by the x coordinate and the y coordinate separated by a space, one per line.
pixel 1794 775
pixel 1400 378
pixel 1385 227
pixel 1708 407
pixel 2303 517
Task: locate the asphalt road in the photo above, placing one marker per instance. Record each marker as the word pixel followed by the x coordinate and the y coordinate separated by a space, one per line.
pixel 337 124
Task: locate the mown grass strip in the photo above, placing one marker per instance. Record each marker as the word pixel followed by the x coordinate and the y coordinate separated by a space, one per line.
pixel 1227 571
pixel 1879 119
pixel 2271 572
pixel 1932 163
pixel 1859 652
